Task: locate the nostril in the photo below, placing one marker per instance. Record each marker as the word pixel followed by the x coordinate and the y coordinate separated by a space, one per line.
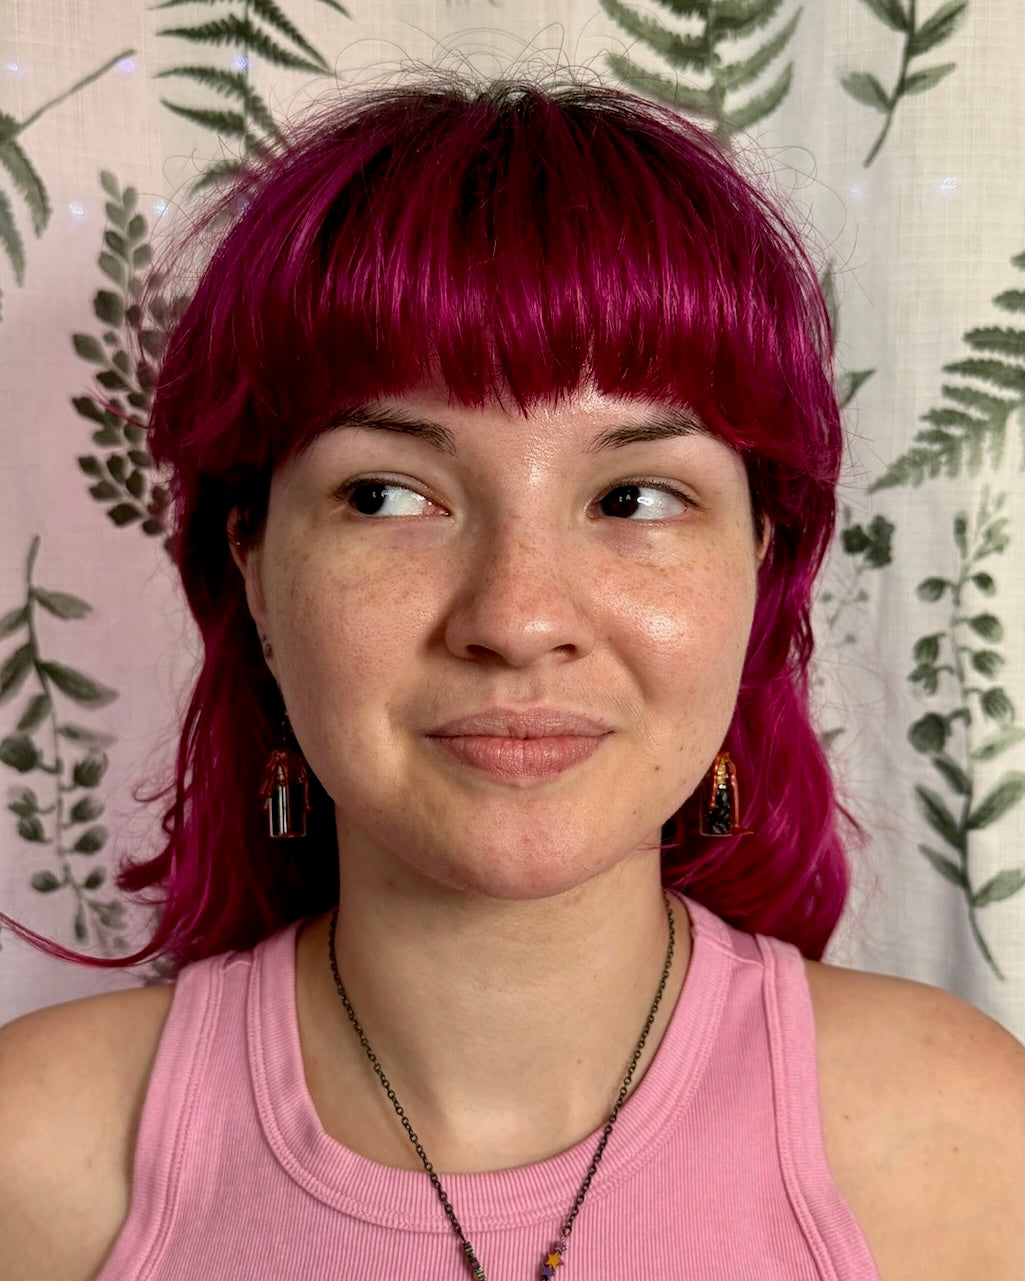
pixel 481 651
pixel 511 654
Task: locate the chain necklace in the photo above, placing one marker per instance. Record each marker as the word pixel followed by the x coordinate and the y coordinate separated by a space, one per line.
pixel 554 1257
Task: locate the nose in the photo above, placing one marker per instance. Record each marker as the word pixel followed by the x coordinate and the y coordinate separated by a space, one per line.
pixel 522 599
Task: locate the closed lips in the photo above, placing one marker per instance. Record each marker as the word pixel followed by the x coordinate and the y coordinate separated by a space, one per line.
pixel 520 747
pixel 538 723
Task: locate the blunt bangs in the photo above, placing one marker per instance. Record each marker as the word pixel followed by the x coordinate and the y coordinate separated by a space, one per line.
pixel 511 245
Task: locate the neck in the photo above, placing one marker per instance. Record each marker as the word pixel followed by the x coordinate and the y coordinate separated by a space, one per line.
pixel 505 1027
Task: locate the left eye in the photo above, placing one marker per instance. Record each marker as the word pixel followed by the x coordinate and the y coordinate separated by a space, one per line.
pixel 642 502
pixel 383 498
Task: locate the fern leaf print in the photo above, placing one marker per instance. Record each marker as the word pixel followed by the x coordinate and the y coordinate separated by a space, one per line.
pixel 701 79
pixel 902 16
pixel 968 429
pixel 260 30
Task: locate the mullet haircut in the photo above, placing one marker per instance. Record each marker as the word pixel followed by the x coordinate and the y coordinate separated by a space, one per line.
pixel 511 243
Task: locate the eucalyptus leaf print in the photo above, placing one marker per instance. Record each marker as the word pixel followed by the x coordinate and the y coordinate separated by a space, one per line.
pixel 134 317
pixel 24 177
pixel 732 93
pixel 233 108
pixel 972 720
pixel 866 548
pixel 902 16
pixel 969 427
pixel 60 763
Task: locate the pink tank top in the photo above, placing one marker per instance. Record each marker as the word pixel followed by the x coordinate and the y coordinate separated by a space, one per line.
pixel 715 1170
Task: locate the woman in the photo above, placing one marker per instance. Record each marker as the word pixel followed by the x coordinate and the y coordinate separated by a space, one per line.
pixel 504 450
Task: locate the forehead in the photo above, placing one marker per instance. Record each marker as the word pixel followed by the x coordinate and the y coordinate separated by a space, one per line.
pixel 588 420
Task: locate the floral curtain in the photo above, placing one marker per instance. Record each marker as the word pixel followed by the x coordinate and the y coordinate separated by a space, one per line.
pixel 895 128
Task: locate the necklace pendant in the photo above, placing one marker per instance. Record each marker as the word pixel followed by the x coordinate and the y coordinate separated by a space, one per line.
pixel 553 1260
pixel 476 1271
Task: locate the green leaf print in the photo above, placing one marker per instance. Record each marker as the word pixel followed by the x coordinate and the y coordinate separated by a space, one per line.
pixel 969 429
pixel 957 673
pixel 228 84
pixel 66 777
pixel 134 319
pixel 934 810
pixel 1004 885
pixel 867 547
pixel 998 743
pixel 77 686
pixel 14 160
pixel 848 382
pixel 1007 793
pixel 947 869
pixel 891 12
pixel 263 31
pixel 865 88
pixel 731 94
pixel 61 604
pixel 919 81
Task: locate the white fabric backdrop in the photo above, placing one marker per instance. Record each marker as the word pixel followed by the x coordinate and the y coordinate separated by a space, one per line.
pixel 921 614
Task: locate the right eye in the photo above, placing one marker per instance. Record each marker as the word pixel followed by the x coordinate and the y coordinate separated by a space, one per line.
pixel 383 498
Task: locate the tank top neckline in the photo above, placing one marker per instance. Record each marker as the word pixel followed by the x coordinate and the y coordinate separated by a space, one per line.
pixel 405 1199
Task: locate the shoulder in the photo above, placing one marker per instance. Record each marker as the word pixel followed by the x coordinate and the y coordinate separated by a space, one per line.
pixel 73 1079
pixel 922 1109
pixel 81 1056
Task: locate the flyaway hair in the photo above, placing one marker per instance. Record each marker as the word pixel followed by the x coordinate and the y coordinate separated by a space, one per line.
pixel 506 242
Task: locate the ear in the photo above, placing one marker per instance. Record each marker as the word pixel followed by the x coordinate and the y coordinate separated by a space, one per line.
pixel 248 557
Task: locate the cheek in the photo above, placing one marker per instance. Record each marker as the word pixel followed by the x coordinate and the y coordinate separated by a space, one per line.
pixel 327 623
pixel 697 611
pixel 688 634
pixel 345 632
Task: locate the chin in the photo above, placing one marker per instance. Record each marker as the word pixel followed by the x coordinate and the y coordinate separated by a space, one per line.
pixel 512 848
pixel 539 871
pixel 512 885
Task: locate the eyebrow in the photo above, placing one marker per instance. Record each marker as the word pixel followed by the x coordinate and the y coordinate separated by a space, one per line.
pixel 425 429
pixel 664 425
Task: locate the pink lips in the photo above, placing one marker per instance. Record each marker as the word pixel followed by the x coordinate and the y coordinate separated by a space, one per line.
pixel 521 746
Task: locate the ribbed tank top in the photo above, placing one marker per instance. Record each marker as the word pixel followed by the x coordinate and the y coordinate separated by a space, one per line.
pixel 715 1171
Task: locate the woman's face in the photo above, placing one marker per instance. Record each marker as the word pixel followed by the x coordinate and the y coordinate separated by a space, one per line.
pixel 509 647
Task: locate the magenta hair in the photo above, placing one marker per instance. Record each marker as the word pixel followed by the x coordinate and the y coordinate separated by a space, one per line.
pixel 509 242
